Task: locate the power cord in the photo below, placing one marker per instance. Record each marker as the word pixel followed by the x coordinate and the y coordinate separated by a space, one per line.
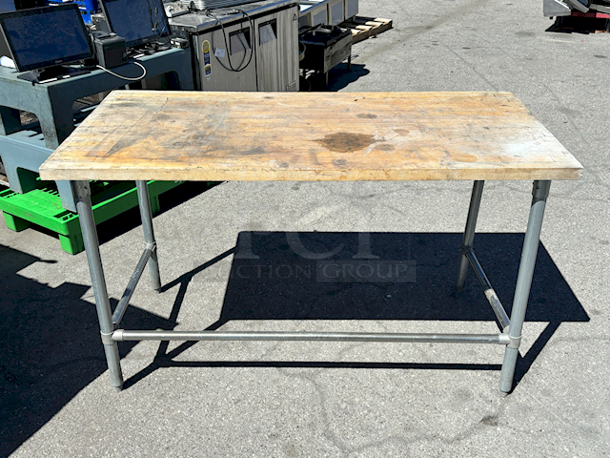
pixel 126 78
pixel 253 40
pixel 239 68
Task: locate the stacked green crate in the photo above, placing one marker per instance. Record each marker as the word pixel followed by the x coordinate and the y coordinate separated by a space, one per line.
pixel 43 207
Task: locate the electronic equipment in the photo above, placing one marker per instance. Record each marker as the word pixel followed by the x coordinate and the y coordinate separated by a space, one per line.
pixel 138 21
pixel 27 4
pixel 43 39
pixel 180 43
pixel 110 50
pixel 100 23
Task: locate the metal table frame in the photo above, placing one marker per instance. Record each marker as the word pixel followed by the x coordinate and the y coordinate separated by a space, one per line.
pixel 511 327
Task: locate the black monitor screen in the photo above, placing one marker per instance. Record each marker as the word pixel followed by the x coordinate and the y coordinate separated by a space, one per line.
pixel 45 37
pixel 138 21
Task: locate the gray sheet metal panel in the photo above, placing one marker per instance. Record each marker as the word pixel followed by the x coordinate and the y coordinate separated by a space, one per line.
pixel 220 78
pixel 351 8
pixel 277 61
pixel 336 11
pixel 198 22
pixel 313 12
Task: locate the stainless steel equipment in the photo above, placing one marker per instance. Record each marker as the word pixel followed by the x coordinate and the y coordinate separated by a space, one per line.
pixel 212 4
pixel 332 12
pixel 336 11
pixel 351 9
pixel 255 51
pixel 312 13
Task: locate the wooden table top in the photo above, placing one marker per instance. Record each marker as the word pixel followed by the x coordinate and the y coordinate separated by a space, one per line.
pixel 218 136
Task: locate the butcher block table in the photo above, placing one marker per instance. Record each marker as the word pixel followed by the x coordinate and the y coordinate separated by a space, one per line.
pixel 215 136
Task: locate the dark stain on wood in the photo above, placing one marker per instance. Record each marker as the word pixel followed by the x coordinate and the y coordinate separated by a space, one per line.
pixel 199 137
pixel 346 142
pixel 258 151
pixel 367 116
pixel 385 147
pixel 121 104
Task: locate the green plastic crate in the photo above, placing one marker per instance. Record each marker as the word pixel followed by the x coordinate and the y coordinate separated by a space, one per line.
pixel 43 207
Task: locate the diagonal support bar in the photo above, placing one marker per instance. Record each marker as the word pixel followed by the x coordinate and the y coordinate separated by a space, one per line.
pixel 490 293
pixel 468 239
pixel 120 309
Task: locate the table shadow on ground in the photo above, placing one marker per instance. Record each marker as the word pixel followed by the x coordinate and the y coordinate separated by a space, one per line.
pixel 280 276
pixel 51 346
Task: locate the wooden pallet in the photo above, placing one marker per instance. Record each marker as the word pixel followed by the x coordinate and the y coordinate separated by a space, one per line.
pixel 366 27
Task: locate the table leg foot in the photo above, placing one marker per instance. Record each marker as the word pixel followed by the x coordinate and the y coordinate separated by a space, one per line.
pixel 114 365
pixel 508 369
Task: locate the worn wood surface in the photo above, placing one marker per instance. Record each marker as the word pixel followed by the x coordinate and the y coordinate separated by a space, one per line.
pixel 212 136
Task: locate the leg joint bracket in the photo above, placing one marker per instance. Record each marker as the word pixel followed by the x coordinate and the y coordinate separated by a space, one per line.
pixel 514 342
pixel 107 338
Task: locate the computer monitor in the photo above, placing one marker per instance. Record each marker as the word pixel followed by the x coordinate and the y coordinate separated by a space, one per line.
pixel 46 37
pixel 138 21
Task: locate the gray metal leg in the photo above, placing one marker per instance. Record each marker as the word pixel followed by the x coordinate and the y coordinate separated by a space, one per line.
pixel 468 239
pixel 82 191
pixel 524 282
pixel 149 234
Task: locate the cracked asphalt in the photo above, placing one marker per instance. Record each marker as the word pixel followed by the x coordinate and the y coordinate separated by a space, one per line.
pixel 334 399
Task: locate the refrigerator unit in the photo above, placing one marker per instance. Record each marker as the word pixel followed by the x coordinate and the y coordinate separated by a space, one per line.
pixel 255 51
